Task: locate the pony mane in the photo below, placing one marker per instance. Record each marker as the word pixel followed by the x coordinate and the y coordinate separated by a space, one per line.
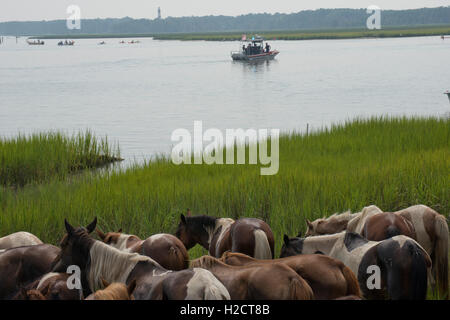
pixel 341 216
pixel 111 264
pixel 206 262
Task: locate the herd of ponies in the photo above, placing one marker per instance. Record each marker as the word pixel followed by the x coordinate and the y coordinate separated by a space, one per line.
pixel 348 256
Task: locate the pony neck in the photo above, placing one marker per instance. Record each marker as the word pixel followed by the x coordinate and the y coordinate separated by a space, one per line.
pixel 323 244
pixel 112 265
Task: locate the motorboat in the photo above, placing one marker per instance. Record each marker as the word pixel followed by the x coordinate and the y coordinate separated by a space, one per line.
pixel 35 43
pixel 253 50
pixel 66 43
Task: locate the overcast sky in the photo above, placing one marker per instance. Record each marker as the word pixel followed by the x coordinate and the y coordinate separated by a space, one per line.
pixel 22 10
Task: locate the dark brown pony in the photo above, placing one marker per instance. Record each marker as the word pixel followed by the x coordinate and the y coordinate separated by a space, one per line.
pixel 165 249
pixel 329 278
pixel 20 266
pixel 250 236
pixel 258 282
pixel 386 225
pixel 98 260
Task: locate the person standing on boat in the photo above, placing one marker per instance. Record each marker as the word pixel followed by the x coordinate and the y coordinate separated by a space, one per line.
pixel 267 48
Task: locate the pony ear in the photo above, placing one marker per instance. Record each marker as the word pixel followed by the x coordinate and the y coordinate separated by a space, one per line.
pixel 131 287
pixel 91 226
pixel 183 219
pixel 309 223
pixel 286 239
pixel 120 230
pixel 100 234
pixel 70 230
pixel 104 282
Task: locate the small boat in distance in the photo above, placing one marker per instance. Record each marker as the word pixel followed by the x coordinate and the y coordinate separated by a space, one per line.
pixel 35 43
pixel 101 43
pixel 66 43
pixel 254 50
pixel 448 94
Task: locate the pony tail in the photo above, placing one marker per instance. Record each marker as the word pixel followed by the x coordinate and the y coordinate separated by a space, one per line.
pixel 300 290
pixel 441 255
pixel 352 283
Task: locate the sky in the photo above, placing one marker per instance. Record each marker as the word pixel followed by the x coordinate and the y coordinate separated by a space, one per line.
pixel 32 10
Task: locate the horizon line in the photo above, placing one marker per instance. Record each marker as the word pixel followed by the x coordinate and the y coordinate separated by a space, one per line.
pixel 218 15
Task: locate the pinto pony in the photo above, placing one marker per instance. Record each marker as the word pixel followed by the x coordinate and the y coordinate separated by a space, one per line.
pixel 98 260
pixel 402 262
pixel 19 239
pixel 419 222
pixel 329 278
pixel 51 286
pixel 165 249
pixel 258 282
pixel 250 236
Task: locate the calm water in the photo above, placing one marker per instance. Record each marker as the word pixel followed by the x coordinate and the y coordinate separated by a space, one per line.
pixel 138 94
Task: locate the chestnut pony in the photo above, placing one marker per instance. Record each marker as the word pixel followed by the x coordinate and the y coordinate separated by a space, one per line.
pixel 329 278
pixel 98 260
pixel 114 291
pixel 165 249
pixel 250 236
pixel 258 282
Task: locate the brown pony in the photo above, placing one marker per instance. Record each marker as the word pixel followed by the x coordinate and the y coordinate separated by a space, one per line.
pixel 329 278
pixel 258 282
pixel 386 225
pixel 98 260
pixel 20 266
pixel 114 291
pixel 165 249
pixel 250 236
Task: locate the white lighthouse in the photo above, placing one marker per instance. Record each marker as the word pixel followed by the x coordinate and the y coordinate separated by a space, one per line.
pixel 159 13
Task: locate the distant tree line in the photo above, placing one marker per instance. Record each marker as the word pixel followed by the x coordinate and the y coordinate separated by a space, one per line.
pixel 303 20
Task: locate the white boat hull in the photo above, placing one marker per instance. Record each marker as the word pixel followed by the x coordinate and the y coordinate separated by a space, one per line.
pixel 239 56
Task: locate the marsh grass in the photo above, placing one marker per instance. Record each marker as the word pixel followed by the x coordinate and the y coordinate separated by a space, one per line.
pixel 390 162
pixel 41 157
pixel 393 32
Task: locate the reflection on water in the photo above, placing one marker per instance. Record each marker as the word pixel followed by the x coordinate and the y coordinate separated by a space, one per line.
pixel 139 94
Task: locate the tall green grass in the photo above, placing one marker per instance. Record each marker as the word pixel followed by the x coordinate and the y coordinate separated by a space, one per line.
pixel 390 162
pixel 43 156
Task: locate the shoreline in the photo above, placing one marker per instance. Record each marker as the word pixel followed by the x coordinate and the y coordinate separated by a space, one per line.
pixel 292 35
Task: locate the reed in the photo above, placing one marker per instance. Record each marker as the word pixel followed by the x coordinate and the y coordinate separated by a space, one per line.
pixel 40 157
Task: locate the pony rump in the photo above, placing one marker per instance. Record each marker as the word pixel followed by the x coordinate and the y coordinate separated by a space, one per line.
pixel 441 254
pixel 111 264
